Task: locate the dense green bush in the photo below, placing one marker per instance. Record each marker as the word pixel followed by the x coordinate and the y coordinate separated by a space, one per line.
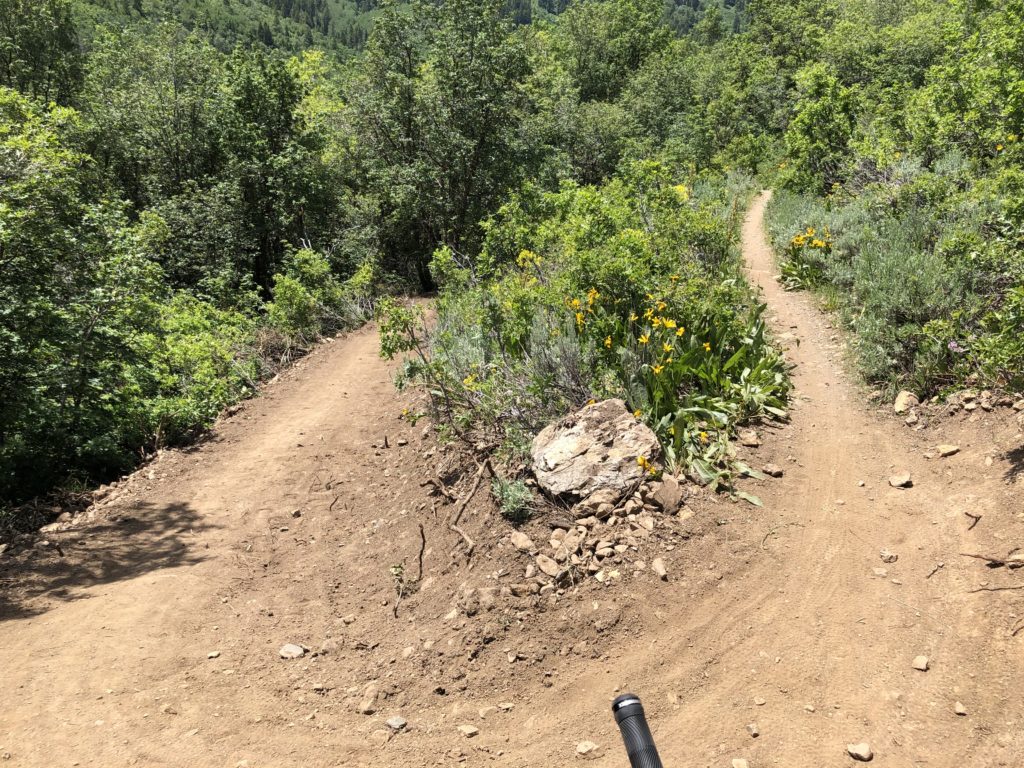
pixel 627 290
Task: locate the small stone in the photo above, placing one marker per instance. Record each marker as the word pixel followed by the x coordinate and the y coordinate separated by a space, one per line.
pixel 888 556
pixel 948 450
pixel 548 566
pixel 901 480
pixel 506 706
pixel 880 572
pixel 808 707
pixel 739 762
pixel 588 750
pixel 522 542
pixel 668 494
pixel 658 566
pixel 752 729
pixel 960 709
pixel 350 619
pixel 296 513
pixel 860 752
pixel 905 400
pixel 749 438
pixel 213 655
pixel 1019 405
pixel 292 651
pixel 486 712
pixel 920 663
pixel 397 723
pixel 469 731
pixel 759 701
pixel 773 470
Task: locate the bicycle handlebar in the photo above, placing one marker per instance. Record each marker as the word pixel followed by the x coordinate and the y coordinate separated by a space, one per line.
pixel 629 714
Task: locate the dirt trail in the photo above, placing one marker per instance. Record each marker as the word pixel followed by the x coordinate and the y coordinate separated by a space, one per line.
pixel 773 616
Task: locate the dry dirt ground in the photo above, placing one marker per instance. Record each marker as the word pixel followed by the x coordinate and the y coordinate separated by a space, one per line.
pixel 153 640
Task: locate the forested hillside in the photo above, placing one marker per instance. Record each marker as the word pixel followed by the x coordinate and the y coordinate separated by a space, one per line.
pixel 194 192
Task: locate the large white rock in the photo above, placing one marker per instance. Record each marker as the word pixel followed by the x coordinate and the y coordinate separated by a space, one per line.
pixel 594 449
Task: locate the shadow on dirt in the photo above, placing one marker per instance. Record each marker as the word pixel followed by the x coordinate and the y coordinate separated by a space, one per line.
pixel 1016 459
pixel 136 540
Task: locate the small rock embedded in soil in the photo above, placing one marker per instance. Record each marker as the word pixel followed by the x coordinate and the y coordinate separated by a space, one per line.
pixel 548 566
pixel 213 655
pixel 759 701
pixel 658 566
pixel 860 752
pixel 522 542
pixel 948 450
pixel 749 438
pixel 753 730
pixel 397 723
pixel 905 400
pixel 960 709
pixel 901 480
pixel 469 731
pixel 292 651
pixel 588 750
pixel 920 663
pixel 739 762
pixel 773 470
pixel 888 556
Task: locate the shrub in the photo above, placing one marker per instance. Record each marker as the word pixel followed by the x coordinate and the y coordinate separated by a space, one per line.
pixel 514 498
pixel 627 290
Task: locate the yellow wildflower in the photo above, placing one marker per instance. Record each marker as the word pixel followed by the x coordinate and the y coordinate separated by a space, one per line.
pixel 811 232
pixel 649 314
pixel 682 192
pixel 591 401
pixel 638 413
pixel 707 347
pixel 816 243
pixel 667 347
pixel 579 318
pixel 661 306
pixel 592 296
pixel 703 437
pixel 644 338
pixel 575 304
pixel 657 369
pixel 674 278
pixel 633 317
pixel 656 322
pixel 681 331
pixel 669 323
pixel 608 342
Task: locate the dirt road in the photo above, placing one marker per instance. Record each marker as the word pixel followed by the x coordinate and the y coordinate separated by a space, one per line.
pixel 153 640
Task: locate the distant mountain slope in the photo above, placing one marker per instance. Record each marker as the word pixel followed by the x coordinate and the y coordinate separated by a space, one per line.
pixel 287 24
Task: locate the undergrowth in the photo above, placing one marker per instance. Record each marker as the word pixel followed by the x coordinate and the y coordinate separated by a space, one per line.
pixel 630 290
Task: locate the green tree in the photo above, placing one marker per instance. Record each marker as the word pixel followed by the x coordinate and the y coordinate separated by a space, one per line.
pixel 39 53
pixel 818 136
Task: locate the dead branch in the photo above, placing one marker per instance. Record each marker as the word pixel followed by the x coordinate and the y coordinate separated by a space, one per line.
pixel 975 519
pixel 423 548
pixel 472 492
pixel 470 545
pixel 996 562
pixel 997 589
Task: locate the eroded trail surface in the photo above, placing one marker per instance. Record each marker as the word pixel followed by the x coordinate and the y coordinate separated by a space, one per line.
pixel 154 639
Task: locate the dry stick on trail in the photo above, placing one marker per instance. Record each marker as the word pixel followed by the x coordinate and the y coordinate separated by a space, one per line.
pixel 454 524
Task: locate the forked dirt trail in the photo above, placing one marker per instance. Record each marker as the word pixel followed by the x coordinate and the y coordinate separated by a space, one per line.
pixel 153 641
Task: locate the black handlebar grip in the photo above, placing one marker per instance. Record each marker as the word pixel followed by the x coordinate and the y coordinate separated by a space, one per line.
pixel 629 714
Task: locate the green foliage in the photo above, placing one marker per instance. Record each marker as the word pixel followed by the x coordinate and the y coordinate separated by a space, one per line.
pixel 514 497
pixel 39 53
pixel 628 290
